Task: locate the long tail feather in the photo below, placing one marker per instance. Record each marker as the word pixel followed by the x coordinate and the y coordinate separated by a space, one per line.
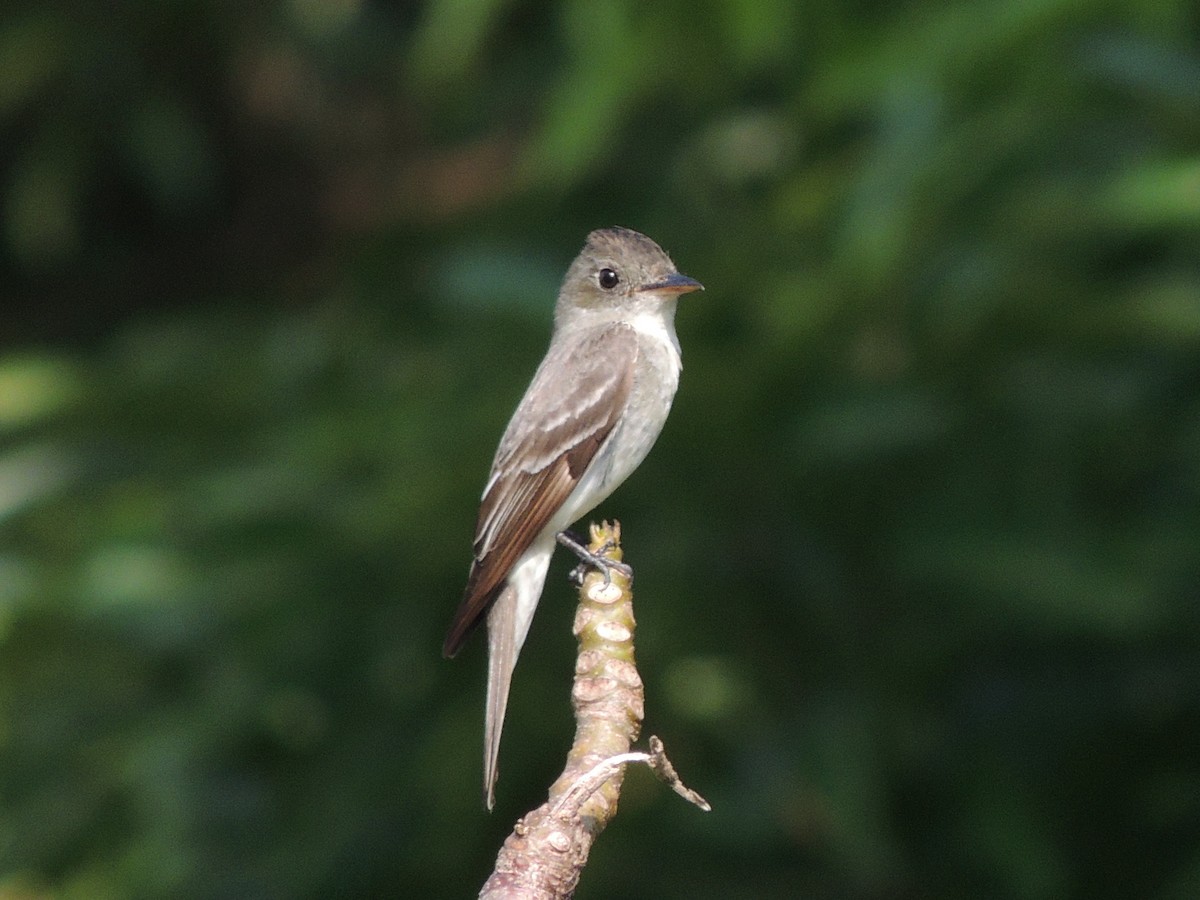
pixel 508 623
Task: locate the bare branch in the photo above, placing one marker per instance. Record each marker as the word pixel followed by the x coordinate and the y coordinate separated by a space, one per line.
pixel 545 854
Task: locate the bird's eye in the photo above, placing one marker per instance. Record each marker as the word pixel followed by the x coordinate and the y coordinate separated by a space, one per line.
pixel 608 279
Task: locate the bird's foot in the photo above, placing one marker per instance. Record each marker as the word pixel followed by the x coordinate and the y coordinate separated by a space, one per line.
pixel 589 560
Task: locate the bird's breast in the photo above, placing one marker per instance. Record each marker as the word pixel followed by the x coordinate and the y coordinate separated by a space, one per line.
pixel 655 382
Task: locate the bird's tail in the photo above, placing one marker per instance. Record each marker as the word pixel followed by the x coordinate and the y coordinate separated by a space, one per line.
pixel 508 623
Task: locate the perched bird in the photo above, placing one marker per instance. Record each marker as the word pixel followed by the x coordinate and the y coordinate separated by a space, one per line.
pixel 594 409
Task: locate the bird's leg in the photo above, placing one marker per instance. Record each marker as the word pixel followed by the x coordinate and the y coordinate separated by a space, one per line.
pixel 588 559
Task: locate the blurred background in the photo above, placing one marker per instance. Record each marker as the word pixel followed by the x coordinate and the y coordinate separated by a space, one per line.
pixel 918 552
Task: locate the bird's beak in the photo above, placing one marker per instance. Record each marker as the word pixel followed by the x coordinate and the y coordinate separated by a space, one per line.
pixel 674 284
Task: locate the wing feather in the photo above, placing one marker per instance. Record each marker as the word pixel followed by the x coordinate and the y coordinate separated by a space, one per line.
pixel 553 436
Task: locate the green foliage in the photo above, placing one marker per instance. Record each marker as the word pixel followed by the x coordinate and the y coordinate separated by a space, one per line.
pixel 917 554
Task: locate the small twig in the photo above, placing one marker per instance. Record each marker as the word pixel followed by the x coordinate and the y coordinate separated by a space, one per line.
pixel 662 767
pixel 656 761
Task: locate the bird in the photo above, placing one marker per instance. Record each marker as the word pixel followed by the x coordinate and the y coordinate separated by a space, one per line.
pixel 595 407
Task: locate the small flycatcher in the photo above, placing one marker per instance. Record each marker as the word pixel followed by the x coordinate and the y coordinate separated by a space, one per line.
pixel 594 409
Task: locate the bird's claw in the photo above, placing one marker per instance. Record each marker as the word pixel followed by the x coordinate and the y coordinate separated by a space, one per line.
pixel 589 560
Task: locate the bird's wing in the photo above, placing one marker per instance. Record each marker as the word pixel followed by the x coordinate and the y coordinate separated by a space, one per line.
pixel 551 439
